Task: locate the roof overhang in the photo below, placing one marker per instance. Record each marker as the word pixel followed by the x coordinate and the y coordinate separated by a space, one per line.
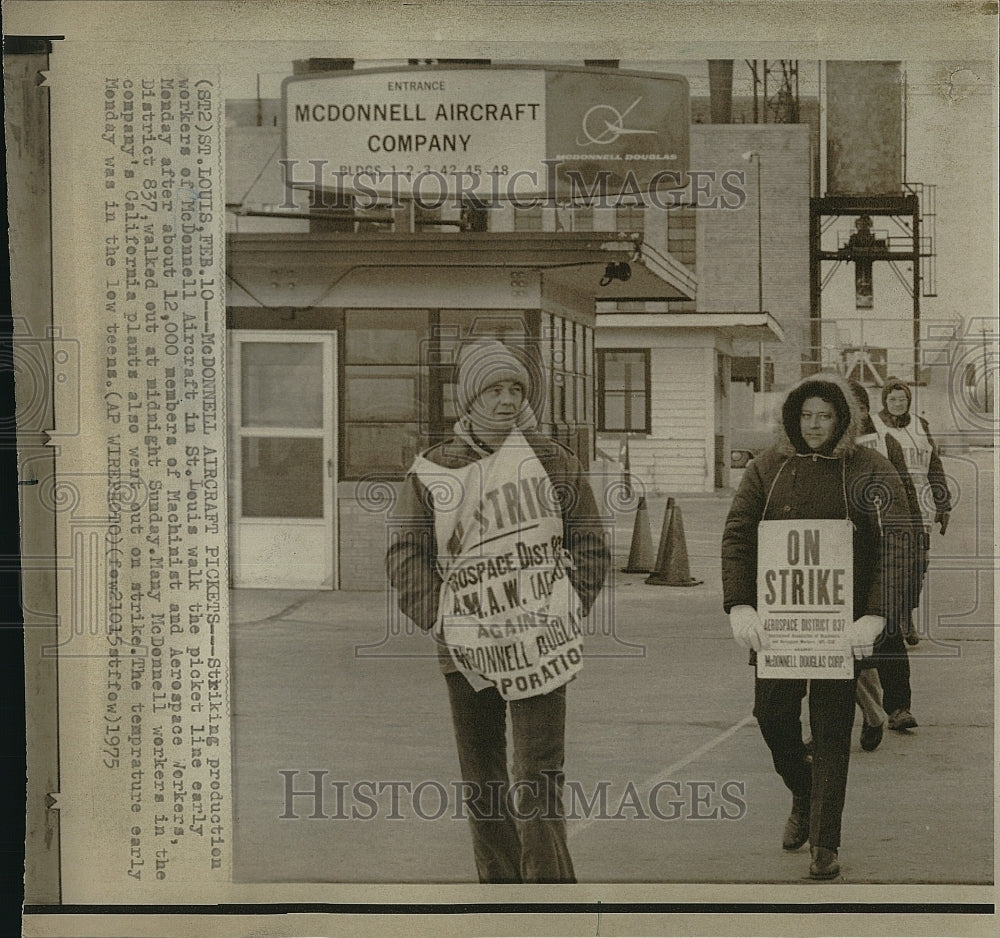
pixel 577 259
pixel 654 276
pixel 755 327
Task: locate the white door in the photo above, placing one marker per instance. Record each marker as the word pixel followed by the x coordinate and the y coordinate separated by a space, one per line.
pixel 283 459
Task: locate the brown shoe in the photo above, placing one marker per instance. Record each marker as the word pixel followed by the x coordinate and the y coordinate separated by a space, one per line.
pixel 871 736
pixel 796 831
pixel 824 863
pixel 901 720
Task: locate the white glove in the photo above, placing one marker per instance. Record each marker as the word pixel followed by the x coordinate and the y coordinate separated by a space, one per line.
pixel 862 635
pixel 745 623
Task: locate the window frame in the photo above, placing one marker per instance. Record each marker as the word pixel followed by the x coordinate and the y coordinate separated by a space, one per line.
pixel 418 369
pixel 602 427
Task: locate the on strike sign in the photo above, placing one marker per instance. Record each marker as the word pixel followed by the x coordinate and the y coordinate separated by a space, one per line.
pixel 805 598
pixel 508 612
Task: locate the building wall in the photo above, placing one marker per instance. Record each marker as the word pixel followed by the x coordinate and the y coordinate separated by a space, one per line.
pixel 679 454
pixel 364 533
pixel 727 238
pixel 557 326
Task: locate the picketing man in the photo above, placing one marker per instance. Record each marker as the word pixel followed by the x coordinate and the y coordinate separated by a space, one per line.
pixel 501 555
pixel 816 471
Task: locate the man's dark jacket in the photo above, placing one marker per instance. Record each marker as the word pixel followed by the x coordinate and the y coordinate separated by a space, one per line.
pixel 789 481
pixel 411 562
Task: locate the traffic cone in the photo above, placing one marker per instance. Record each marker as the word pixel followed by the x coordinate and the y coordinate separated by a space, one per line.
pixel 671 558
pixel 640 555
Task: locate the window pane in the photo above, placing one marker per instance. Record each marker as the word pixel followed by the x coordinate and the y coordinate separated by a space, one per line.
pixel 282 477
pixel 638 412
pixel 614 411
pixel 486 322
pixel 624 389
pixel 615 417
pixel 637 374
pixel 624 371
pixel 381 393
pixel 528 219
pixel 614 374
pixel 282 384
pixel 558 359
pixel 385 336
pixel 383 447
pixel 458 326
pixel 558 397
pixel 548 404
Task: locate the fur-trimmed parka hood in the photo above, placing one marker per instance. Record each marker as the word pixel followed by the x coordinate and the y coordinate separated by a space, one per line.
pixel 829 387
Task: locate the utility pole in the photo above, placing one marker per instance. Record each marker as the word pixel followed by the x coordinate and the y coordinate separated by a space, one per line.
pixel 754 156
pixel 760 270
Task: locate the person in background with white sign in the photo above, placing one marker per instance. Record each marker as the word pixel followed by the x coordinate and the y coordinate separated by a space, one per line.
pixel 817 471
pixel 503 556
pixel 889 683
pixel 922 460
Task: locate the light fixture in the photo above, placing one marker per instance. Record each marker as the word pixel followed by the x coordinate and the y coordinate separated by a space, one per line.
pixel 615 271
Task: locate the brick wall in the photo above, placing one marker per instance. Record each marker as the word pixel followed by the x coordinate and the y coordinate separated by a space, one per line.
pixel 364 536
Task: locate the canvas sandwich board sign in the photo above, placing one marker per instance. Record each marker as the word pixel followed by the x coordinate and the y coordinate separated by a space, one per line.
pixel 805 598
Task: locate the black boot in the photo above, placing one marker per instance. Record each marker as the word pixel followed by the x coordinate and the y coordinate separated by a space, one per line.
pixel 824 863
pixel 796 831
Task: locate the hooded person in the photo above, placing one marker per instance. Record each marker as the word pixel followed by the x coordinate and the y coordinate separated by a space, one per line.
pixel 913 434
pixel 885 688
pixel 500 554
pixel 816 471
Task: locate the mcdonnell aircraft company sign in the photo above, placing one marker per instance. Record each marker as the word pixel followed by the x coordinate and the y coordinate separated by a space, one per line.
pixel 493 132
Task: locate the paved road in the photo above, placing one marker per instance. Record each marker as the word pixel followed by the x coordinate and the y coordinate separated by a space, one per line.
pixel 662 708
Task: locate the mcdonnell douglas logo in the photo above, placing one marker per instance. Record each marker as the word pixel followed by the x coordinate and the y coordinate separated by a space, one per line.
pixel 603 124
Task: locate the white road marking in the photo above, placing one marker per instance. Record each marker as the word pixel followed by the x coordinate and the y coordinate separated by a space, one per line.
pixel 668 773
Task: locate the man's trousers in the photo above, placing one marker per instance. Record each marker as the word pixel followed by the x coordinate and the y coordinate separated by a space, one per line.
pixel 893 665
pixel 778 709
pixel 518 828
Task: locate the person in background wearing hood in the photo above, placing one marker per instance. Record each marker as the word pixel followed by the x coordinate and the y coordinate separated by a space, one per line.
pixel 886 688
pixel 500 466
pixel 922 458
pixel 817 472
pixel 919 449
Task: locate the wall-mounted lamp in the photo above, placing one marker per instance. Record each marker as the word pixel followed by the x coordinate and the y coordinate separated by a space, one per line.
pixel 615 271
